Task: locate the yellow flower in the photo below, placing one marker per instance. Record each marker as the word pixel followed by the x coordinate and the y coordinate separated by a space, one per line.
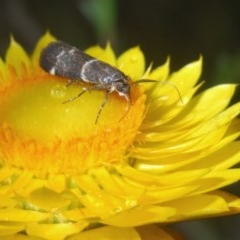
pixel 62 175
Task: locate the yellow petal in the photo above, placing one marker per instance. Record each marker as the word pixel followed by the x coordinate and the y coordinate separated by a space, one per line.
pixel 161 72
pixel 19 215
pixel 43 42
pixel 231 200
pixel 132 63
pixel 106 55
pixel 17 58
pixel 108 233
pixel 166 112
pixel 183 80
pixel 48 199
pixel 154 232
pixel 3 72
pixel 54 231
pixel 10 230
pixel 218 179
pixel 204 205
pixel 169 179
pixel 140 215
pixel 222 159
pixel 201 205
pixel 218 96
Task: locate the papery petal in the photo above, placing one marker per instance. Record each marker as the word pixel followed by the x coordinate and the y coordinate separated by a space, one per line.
pixel 132 63
pixel 161 72
pixel 203 205
pixel 106 55
pixel 54 231
pixel 183 80
pixel 42 42
pixel 16 57
pixel 108 233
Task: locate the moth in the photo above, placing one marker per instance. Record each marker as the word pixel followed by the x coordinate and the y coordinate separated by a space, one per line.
pixel 63 60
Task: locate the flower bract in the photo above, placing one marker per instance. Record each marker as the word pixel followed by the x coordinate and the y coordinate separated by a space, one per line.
pixel 63 176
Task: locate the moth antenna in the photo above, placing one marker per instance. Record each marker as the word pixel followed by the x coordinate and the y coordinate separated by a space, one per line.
pixel 162 82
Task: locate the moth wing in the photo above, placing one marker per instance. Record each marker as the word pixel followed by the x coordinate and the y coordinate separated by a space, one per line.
pixel 63 60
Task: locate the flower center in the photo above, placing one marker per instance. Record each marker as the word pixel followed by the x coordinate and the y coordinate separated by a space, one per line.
pixel 42 133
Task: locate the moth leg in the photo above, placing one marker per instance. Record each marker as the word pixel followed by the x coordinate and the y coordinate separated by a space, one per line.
pixel 100 87
pixel 74 98
pixel 83 91
pixel 102 106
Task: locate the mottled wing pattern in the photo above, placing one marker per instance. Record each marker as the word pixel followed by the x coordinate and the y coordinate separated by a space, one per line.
pixel 63 60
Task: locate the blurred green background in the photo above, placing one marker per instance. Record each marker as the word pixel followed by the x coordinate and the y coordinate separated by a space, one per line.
pixel 183 29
